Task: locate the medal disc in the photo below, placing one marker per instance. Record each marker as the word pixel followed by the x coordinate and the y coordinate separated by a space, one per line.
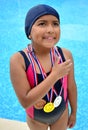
pixel 57 101
pixel 40 104
pixel 49 107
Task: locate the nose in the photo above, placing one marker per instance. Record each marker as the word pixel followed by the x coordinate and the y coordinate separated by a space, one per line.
pixel 50 29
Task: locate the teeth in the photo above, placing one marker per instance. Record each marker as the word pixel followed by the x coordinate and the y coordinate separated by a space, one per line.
pixel 50 38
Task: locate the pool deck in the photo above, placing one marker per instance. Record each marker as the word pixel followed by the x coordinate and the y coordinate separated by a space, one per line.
pixel 6 124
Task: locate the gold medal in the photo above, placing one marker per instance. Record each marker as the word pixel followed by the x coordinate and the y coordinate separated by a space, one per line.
pixel 49 107
pixel 40 104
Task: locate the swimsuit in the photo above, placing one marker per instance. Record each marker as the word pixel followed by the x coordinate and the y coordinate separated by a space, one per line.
pixel 59 90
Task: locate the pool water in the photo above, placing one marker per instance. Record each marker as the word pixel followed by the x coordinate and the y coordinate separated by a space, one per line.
pixel 74 36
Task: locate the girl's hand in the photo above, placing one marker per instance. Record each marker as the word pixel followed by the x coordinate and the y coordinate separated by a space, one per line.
pixel 61 69
pixel 71 120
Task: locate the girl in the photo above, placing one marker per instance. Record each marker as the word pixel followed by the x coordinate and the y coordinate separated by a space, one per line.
pixel 43 74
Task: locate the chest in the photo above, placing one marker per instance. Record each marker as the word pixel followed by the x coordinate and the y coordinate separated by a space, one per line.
pixel 45 64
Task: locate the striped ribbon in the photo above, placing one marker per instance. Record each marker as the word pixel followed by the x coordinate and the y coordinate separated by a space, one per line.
pixel 33 57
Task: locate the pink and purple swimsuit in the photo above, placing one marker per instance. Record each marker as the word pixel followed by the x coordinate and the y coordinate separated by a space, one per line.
pixel 39 114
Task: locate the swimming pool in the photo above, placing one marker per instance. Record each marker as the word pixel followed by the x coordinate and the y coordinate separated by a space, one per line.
pixel 74 36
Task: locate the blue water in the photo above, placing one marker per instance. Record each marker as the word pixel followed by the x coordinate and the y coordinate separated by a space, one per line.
pixel 74 36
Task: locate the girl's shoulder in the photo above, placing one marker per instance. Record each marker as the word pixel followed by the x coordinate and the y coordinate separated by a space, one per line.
pixel 67 53
pixel 18 59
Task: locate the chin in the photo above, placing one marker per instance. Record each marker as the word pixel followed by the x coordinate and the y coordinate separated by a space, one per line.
pixel 50 46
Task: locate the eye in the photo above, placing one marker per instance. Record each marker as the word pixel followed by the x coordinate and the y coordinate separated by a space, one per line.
pixel 42 24
pixel 56 24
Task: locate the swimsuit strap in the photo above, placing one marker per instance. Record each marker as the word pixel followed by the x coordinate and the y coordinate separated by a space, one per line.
pixel 25 59
pixel 61 53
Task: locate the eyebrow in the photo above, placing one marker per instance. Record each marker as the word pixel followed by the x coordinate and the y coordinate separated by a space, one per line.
pixel 41 20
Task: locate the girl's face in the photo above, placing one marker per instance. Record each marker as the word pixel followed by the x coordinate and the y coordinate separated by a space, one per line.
pixel 45 31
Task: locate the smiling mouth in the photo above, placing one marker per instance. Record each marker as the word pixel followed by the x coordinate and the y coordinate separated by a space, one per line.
pixel 49 38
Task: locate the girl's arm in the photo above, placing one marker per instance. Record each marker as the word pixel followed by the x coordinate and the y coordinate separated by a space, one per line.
pixel 72 91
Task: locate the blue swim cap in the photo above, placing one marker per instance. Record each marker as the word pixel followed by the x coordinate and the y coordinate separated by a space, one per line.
pixel 35 12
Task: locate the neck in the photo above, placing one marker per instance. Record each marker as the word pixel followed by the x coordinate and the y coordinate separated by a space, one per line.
pixel 41 50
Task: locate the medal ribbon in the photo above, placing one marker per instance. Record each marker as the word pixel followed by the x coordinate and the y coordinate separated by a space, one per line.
pixel 42 71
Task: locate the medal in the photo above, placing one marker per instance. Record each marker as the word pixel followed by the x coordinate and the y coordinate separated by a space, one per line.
pixel 49 107
pixel 40 104
pixel 57 101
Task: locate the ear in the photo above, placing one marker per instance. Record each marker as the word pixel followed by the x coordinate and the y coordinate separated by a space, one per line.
pixel 29 36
